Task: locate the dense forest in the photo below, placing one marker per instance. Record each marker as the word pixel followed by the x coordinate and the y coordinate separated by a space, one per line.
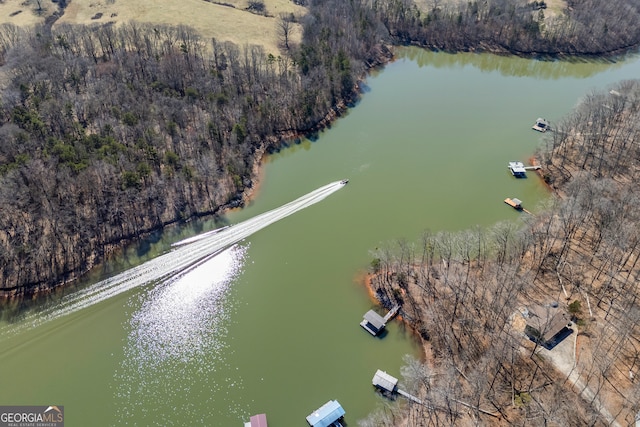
pixel 111 132
pixel 591 27
pixel 464 292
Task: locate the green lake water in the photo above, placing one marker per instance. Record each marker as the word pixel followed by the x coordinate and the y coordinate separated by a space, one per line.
pixel 271 325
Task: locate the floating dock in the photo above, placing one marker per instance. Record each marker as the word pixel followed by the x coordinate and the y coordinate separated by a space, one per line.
pixel 374 323
pixel 516 204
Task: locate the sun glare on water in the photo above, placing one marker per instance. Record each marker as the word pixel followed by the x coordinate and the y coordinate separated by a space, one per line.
pixel 177 341
pixel 178 319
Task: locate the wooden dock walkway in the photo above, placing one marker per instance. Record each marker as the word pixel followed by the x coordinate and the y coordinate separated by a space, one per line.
pixel 388 385
pixel 391 313
pixel 409 396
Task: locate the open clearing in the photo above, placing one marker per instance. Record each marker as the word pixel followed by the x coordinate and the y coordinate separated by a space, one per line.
pixel 229 21
pixel 554 7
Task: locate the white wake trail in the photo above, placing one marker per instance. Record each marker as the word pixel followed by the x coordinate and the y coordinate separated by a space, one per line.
pixel 198 237
pixel 187 255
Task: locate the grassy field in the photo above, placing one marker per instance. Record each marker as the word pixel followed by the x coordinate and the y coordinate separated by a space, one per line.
pixel 22 13
pixel 222 19
pixel 230 21
pixel 554 7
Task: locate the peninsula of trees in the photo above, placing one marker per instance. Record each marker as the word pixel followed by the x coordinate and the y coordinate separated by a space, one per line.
pixel 465 293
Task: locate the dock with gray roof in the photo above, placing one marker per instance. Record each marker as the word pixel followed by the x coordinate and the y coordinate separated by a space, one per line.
pixel 374 323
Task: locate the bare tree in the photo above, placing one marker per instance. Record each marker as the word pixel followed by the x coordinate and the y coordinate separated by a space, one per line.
pixel 285 25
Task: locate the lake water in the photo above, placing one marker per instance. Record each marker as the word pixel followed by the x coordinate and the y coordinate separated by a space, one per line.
pixel 271 324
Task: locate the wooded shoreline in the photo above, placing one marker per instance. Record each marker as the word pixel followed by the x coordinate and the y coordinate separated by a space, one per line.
pixel 467 293
pixel 141 155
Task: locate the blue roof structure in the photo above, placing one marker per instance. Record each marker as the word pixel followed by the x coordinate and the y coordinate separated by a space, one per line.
pixel 326 415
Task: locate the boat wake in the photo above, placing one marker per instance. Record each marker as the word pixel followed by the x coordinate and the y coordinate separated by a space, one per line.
pixel 199 236
pixel 187 255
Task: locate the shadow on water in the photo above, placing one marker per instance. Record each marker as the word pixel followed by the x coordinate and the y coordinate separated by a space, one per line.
pixel 158 242
pixel 313 136
pixel 146 244
pixel 15 310
pixel 364 87
pixel 382 334
pixel 517 67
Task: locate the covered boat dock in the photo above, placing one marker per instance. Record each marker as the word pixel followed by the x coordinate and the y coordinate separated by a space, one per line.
pixel 514 203
pixel 383 381
pixel 259 420
pixel 389 384
pixel 328 415
pixel 517 169
pixel 374 323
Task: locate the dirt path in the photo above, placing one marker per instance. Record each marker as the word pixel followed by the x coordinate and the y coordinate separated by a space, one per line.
pixel 563 357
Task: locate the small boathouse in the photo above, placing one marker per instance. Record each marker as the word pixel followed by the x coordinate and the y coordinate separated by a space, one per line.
pixel 389 384
pixel 385 382
pixel 328 415
pixel 374 323
pixel 259 420
pixel 541 125
pixel 517 169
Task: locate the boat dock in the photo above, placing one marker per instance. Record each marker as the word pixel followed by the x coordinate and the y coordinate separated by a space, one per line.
pixel 328 415
pixel 259 420
pixel 389 384
pixel 541 125
pixel 516 204
pixel 374 323
pixel 519 170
